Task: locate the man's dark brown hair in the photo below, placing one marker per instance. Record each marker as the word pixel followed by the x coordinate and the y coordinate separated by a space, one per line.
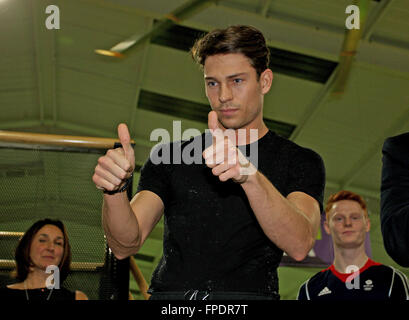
pixel 242 39
pixel 22 255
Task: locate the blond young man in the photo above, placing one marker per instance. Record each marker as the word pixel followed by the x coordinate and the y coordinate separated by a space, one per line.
pixel 353 275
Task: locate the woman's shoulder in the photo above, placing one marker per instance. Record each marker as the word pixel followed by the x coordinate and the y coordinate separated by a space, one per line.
pixel 18 286
pixel 79 295
pixel 16 289
pixel 15 286
pixel 10 292
pixel 4 289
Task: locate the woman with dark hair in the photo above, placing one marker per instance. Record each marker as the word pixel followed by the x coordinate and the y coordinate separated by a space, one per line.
pixel 43 248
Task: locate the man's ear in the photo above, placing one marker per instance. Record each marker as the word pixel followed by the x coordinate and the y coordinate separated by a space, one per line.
pixel 266 79
pixel 368 224
pixel 326 227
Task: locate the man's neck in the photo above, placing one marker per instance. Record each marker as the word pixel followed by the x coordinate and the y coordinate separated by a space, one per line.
pixel 250 136
pixel 345 258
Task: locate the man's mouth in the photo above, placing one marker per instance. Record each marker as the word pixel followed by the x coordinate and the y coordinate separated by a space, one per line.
pixel 228 111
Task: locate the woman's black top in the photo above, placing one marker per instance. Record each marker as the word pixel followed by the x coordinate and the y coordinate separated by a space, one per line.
pixel 41 294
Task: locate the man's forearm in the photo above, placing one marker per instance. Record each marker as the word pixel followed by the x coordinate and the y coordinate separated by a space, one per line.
pixel 283 223
pixel 120 225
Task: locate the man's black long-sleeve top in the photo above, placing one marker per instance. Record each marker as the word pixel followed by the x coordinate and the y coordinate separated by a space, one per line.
pixel 395 198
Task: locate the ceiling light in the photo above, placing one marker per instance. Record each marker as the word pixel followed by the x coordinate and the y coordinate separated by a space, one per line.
pixel 108 53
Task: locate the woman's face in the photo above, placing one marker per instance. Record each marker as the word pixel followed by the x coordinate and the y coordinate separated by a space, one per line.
pixel 47 247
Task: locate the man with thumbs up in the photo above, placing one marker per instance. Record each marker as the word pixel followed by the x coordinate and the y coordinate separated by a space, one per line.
pixel 227 220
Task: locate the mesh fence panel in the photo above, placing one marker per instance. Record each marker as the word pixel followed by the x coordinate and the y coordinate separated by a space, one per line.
pixel 44 183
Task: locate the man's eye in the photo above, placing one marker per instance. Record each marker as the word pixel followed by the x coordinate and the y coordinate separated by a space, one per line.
pixel 211 84
pixel 59 243
pixel 238 80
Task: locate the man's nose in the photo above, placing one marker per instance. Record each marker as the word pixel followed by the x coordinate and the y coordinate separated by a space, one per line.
pixel 225 93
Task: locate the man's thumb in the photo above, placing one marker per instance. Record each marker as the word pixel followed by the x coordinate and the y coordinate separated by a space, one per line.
pixel 125 139
pixel 212 121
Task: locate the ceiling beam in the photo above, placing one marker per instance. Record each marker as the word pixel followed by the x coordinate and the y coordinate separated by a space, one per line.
pixel 44 46
pixel 363 162
pixel 37 48
pixel 335 186
pixel 140 77
pixel 185 11
pixel 306 39
pixel 289 35
pixel 315 106
pixel 265 7
pixel 350 48
pixel 375 16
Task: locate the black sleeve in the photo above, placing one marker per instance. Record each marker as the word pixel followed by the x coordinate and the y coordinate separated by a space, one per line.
pixel 307 174
pixel 155 175
pixel 395 198
pixel 399 287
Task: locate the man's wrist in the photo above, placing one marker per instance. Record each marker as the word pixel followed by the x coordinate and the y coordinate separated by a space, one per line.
pixel 124 187
pixel 250 176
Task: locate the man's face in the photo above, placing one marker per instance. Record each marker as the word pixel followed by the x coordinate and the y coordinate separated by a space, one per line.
pixel 234 91
pixel 347 224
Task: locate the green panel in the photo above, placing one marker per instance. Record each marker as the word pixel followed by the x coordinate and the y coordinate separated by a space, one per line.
pixel 282 61
pixel 181 108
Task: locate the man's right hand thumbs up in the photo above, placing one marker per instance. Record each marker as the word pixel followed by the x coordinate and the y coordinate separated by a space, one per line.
pixel 125 139
pixel 117 165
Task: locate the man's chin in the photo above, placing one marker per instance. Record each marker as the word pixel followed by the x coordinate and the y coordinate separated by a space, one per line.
pixel 231 124
pixel 350 244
